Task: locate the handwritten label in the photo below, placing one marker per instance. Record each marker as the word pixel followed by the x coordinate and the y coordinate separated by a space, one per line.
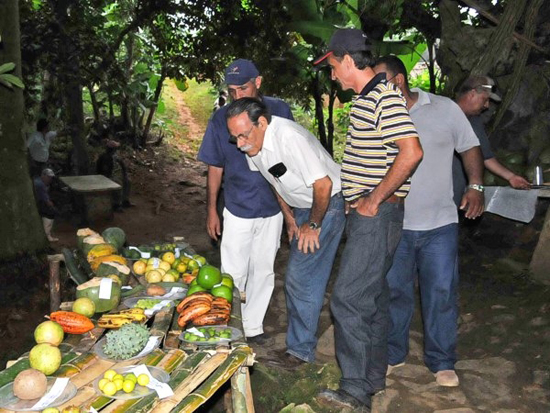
pixel 151 344
pixel 163 389
pixel 173 292
pixel 57 390
pixel 157 307
pixel 194 330
pixel 105 287
pixel 155 263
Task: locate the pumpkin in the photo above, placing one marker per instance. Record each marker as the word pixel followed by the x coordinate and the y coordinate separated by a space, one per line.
pixel 96 262
pixel 100 250
pixel 90 289
pixel 107 268
pixel 83 233
pixel 91 241
pixel 114 236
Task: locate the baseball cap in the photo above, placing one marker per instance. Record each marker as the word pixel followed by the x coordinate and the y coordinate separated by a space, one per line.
pixel 240 71
pixel 48 172
pixel 483 82
pixel 346 41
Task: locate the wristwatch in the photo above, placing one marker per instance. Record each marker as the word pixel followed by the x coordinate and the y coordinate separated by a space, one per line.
pixel 477 187
pixel 314 225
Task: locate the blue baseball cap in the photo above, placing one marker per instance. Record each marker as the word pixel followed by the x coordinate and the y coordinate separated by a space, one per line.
pixel 240 71
pixel 345 41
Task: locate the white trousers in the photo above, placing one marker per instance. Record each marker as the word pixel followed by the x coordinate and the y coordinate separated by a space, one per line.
pixel 248 250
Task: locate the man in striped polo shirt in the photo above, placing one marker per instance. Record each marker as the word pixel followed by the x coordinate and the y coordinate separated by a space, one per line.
pixel 382 152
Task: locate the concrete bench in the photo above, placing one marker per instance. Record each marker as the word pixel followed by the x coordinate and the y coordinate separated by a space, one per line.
pixel 95 192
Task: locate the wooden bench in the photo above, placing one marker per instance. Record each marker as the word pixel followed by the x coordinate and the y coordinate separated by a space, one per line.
pixel 94 193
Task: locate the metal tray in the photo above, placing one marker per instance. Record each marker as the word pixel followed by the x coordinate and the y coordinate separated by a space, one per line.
pixel 139 391
pixel 235 335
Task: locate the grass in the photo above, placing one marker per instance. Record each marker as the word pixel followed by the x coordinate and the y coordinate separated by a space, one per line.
pixel 200 98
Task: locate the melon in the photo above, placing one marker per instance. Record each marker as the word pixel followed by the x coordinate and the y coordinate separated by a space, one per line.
pixel 83 233
pixel 90 289
pixel 91 241
pixel 111 267
pixel 114 236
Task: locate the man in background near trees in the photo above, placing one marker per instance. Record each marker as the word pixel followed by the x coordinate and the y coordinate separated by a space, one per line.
pixel 382 151
pixel 429 243
pixel 307 182
pixel 473 98
pixel 39 146
pixel 252 219
pixel 46 207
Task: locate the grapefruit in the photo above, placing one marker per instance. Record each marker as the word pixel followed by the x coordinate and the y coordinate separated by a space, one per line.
pixel 49 332
pixel 84 306
pixel 195 289
pixel 45 358
pixel 223 291
pixel 209 276
pixel 169 257
pixel 139 267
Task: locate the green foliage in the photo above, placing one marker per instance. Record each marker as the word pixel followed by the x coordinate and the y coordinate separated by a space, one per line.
pixel 7 79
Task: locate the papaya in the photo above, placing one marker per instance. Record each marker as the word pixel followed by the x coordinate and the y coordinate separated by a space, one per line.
pixel 100 250
pixel 114 236
pixel 96 262
pixel 90 289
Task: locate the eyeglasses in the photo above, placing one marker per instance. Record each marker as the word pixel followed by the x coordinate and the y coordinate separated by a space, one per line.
pixel 243 136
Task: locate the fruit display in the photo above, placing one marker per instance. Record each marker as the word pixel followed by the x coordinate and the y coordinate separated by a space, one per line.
pixel 49 332
pixel 90 289
pixel 91 241
pixel 209 335
pixel 84 306
pixel 45 358
pixel 107 268
pixel 126 342
pixel 71 322
pixel 114 236
pixel 95 263
pixel 146 303
pixel 154 290
pixel 112 382
pixel 30 384
pixel 117 320
pixel 100 250
pixel 82 234
pixel 202 308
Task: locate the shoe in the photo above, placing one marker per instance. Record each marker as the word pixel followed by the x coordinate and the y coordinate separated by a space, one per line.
pixel 391 368
pixel 284 360
pixel 340 399
pixel 263 340
pixel 446 378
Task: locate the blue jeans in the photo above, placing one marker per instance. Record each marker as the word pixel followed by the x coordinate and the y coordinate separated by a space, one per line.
pixel 434 254
pixel 306 279
pixel 360 300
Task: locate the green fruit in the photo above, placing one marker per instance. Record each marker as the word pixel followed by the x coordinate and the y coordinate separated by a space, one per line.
pixel 84 306
pixel 227 280
pixel 114 236
pixel 49 332
pixel 195 289
pixel 90 289
pixel 222 291
pixel 45 358
pixel 209 276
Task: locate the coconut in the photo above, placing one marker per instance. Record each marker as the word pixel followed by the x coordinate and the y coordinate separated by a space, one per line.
pixel 30 384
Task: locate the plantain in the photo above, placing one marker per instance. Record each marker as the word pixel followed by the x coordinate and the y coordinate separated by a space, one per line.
pixel 112 323
pixel 135 310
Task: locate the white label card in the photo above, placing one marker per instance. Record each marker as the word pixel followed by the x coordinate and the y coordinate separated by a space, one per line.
pixel 157 307
pixel 173 291
pixel 105 287
pixel 57 389
pixel 163 389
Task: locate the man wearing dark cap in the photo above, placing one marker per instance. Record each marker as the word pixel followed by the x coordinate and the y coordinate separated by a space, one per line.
pixel 382 152
pixel 473 97
pixel 252 218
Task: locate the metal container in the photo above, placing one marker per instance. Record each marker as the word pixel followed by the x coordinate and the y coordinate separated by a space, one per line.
pixel 538 178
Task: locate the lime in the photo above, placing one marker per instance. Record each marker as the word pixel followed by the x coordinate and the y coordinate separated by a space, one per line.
pixel 110 374
pixel 128 386
pixel 176 263
pixel 192 264
pixel 200 259
pixel 101 383
pixel 195 289
pixel 223 291
pixel 130 376
pixel 109 389
pixel 118 377
pixel 209 276
pixel 227 280
pixel 118 383
pixel 143 379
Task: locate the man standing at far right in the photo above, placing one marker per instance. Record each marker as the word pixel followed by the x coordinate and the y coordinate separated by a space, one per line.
pixel 473 98
pixel 382 151
pixel 429 244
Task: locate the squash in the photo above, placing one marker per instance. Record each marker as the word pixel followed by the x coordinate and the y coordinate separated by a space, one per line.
pixel 114 236
pixel 107 268
pixel 94 265
pixel 91 241
pixel 72 268
pixel 83 233
pixel 100 250
pixel 72 323
pixel 90 289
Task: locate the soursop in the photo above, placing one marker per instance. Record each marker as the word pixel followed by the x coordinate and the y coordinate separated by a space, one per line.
pixel 126 342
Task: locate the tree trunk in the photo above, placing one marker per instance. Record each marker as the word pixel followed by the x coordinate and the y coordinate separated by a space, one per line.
pixel 20 224
pixel 330 120
pixel 95 105
pixel 318 97
pixel 153 109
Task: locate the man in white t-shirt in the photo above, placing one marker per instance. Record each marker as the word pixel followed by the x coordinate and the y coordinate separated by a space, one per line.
pixel 429 242
pixel 39 146
pixel 307 184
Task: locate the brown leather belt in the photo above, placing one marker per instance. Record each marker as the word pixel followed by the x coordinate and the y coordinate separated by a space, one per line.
pixel 394 199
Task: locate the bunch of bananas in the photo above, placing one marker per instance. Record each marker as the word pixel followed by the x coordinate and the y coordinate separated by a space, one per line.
pixel 116 320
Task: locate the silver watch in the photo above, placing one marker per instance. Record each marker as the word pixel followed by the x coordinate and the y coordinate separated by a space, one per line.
pixel 314 225
pixel 477 187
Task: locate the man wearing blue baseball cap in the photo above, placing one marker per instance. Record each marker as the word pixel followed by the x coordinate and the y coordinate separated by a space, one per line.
pixel 252 218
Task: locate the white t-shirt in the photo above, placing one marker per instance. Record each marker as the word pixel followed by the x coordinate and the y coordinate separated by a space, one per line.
pixel 443 128
pixel 39 145
pixel 304 157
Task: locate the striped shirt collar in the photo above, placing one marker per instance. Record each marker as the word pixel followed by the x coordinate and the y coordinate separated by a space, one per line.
pixel 372 83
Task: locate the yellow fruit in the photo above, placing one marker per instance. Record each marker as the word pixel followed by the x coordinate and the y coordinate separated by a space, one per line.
pixel 109 389
pixel 128 386
pixel 139 267
pixel 181 267
pixel 154 276
pixel 143 379
pixel 200 259
pixel 130 376
pixel 192 264
pixel 169 278
pixel 169 257
pixel 118 377
pixel 185 260
pixel 109 374
pixel 165 265
pixel 101 384
pixel 118 383
pixel 154 262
